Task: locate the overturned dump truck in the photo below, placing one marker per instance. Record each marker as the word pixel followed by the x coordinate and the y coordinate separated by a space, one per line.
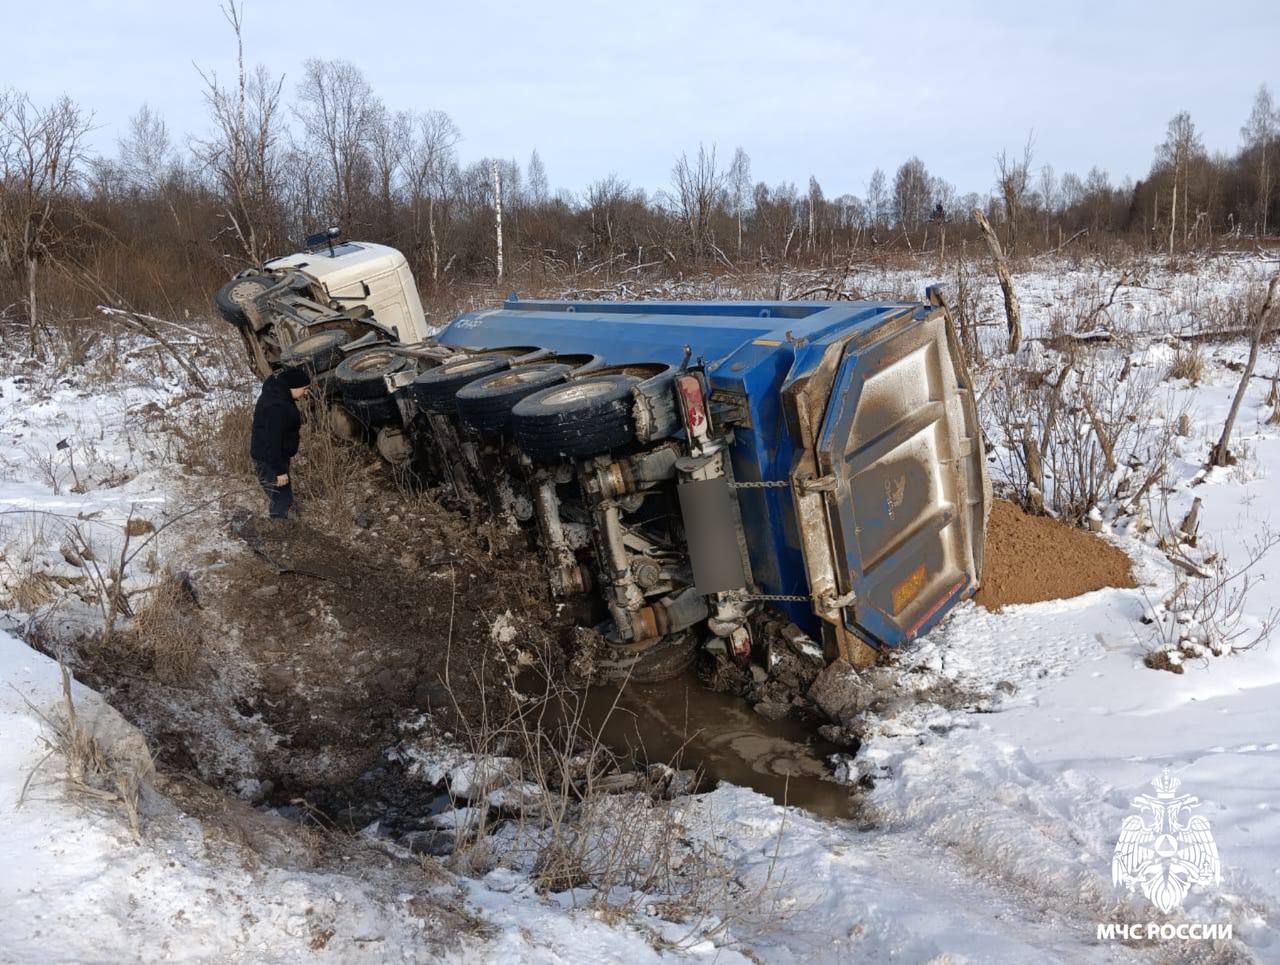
pixel 689 471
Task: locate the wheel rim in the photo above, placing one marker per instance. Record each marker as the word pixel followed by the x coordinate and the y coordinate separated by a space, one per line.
pixel 464 367
pixel 368 362
pixel 517 377
pixel 582 392
pixel 245 291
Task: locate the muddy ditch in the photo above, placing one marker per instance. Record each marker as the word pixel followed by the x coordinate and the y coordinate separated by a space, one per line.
pixel 342 668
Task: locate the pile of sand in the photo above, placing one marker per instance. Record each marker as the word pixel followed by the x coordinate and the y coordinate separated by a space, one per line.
pixel 1034 558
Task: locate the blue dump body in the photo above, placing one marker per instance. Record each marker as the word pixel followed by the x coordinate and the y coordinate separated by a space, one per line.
pixel 756 352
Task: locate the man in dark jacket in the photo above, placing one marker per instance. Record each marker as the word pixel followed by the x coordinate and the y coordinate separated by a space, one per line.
pixel 275 436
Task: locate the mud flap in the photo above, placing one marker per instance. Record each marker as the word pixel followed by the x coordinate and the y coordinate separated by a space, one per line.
pixel 710 527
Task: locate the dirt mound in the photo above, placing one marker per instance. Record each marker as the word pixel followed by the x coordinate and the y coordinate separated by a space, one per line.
pixel 1034 558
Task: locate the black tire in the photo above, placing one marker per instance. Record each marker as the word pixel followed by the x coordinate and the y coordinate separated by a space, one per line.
pixel 669 657
pixel 231 298
pixel 583 417
pixel 317 352
pixel 360 376
pixel 435 390
pixel 324 385
pixel 485 403
pixel 374 413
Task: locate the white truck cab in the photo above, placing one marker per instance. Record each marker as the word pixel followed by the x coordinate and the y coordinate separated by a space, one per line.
pixel 357 287
pixel 363 273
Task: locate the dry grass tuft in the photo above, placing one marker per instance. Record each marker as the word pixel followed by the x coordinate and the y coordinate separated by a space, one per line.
pixel 216 440
pixel 92 771
pixel 545 792
pixel 168 629
pixel 1188 363
pixel 326 470
pixel 30 590
pixel 24 584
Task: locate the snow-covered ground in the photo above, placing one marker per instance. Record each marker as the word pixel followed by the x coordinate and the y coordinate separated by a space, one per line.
pixel 984 836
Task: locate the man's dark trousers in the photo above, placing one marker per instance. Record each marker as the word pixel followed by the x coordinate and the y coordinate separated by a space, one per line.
pixel 279 498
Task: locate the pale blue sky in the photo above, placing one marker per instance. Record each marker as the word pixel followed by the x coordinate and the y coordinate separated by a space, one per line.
pixel 832 89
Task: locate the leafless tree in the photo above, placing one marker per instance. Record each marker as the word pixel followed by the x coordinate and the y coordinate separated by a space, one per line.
pixel 146 151
pixel 1013 179
pixel 1180 144
pixel 430 161
pixel 339 115
pixel 698 186
pixel 389 139
pixel 877 199
pixel 41 165
pixel 243 153
pixel 1048 197
pixel 1260 134
pixel 539 192
pixel 814 204
pixel 911 204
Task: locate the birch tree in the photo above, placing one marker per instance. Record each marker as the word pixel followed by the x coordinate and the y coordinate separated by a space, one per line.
pixel 740 188
pixel 1220 455
pixel 497 210
pixel 1180 143
pixel 1260 134
pixel 877 200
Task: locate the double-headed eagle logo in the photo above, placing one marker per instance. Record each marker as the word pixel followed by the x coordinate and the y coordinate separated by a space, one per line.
pixel 1165 851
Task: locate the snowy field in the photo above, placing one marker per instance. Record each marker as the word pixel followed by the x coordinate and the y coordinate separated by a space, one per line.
pixel 982 834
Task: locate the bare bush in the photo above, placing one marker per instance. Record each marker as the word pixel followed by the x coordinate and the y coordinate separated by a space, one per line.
pixel 1207 613
pixel 1076 433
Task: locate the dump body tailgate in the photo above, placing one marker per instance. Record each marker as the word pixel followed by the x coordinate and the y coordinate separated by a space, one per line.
pixel 897 528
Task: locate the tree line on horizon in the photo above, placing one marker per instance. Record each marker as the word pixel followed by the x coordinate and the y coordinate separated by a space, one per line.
pixel 163 220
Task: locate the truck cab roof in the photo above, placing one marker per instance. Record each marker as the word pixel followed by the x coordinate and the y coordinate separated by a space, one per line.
pixel 349 262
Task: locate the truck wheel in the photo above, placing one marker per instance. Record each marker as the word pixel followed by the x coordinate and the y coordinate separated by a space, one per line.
pixel 231 298
pixel 318 352
pixel 584 417
pixel 485 404
pixel 374 413
pixel 360 376
pixel 436 389
pixel 669 657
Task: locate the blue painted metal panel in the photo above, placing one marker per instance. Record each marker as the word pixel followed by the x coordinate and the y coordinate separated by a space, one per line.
pixel 753 349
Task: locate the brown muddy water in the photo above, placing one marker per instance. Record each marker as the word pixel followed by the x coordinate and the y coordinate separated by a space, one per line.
pixel 682 723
